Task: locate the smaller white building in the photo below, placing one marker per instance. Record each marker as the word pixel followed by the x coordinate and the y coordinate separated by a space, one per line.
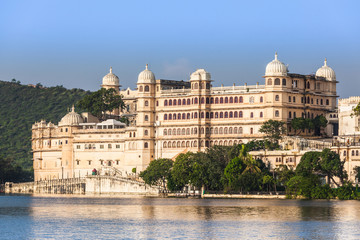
pixel 348 123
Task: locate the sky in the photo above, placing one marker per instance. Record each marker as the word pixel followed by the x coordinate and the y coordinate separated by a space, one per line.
pixel 74 43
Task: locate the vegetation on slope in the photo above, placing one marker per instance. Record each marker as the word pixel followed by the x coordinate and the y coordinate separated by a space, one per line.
pixel 20 107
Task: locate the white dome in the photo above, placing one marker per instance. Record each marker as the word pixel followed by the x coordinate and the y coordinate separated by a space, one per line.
pixel 326 72
pixel 200 74
pixel 71 118
pixel 110 79
pixel 276 68
pixel 146 76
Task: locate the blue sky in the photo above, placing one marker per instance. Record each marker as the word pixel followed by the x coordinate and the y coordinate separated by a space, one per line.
pixel 73 43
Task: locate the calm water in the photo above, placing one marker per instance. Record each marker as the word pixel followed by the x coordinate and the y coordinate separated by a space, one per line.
pixel 26 217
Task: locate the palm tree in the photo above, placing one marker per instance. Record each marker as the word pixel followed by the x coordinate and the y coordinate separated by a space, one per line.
pixel 252 166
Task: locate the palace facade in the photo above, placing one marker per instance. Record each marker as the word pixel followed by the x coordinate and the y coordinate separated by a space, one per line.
pixel 169 117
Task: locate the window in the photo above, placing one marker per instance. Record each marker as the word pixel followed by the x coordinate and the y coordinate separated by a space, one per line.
pixel 261 114
pixel 179 101
pixel 117 145
pixel 251 115
pixel 147 89
pixel 196 101
pixel 165 102
pixel 251 100
pixel 236 100
pixel 327 101
pixel 146 132
pixel 277 81
pixel 146 103
pixel 174 102
pixel 294 99
pixel 251 129
pixel 216 100
pixel 289 114
pixel 101 146
pixel 231 100
pixel 78 147
pixel 146 145
pixel 165 116
pixel 226 115
pixel 277 98
pixel 226 100
pixel 146 118
pixel 261 99
pixel 277 113
pixel 157 103
pixel 184 102
pixel 289 98
pixel 284 82
pixel 140 89
pixel 269 81
pixel 221 100
pixel 240 114
pixel 241 99
pixel 188 102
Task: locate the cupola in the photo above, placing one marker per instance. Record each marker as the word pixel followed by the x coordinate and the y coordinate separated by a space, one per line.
pixel 275 68
pixel 146 76
pixel 110 79
pixel 326 72
pixel 71 118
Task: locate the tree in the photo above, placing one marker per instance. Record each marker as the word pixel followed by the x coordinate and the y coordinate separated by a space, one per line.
pixel 232 173
pixel 157 172
pixel 182 169
pixel 319 123
pixel 273 130
pixel 101 101
pixel 268 180
pixel 357 110
pixel 298 124
pixel 357 172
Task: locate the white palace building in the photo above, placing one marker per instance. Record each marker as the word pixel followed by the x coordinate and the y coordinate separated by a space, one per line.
pixel 169 117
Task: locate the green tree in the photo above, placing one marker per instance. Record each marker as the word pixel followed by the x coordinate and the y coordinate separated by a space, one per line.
pixel 357 110
pixel 298 124
pixel 268 181
pixel 157 172
pixel 357 172
pixel 233 171
pixel 273 130
pixel 183 169
pixel 283 174
pixel 100 102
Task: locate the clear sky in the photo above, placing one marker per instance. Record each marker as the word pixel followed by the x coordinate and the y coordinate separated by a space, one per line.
pixel 73 43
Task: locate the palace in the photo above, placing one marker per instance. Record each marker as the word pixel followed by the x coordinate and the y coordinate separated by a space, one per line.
pixel 169 117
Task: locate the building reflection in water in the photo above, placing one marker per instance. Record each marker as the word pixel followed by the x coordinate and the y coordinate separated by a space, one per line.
pixel 69 217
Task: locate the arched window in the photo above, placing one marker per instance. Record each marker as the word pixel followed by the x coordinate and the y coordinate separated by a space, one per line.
pixel 211 115
pixel 221 100
pixel 202 115
pixel 251 115
pixel 179 101
pixel 202 100
pixel 226 115
pixel 165 102
pixel 146 118
pixel 202 131
pixel 174 144
pixel 231 100
pixel 196 101
pixel 216 100
pixel 261 99
pixel 327 101
pixel 174 131
pixel 164 145
pixel 276 113
pixel 170 102
pixel 277 81
pixel 174 116
pixel 251 99
pixel 157 103
pixel 178 132
pixel 140 89
pixel 284 82
pixel 207 115
pixel 230 114
pixel 170 116
pixel 240 114
pixel 175 102
pixel 207 100
pixel 216 131
pixel 188 131
pixel 221 114
pixel 165 132
pixel 195 115
pixel 188 116
pixel 146 132
pixel 183 116
pixel 261 114
pixel 226 100
pixel 187 144
pixel 147 89
pixel 216 115
pixel 183 144
pixel 179 116
pixel 188 101
pixel 277 98
pixel 196 86
pixel 230 130
pixel 235 114
pixel 235 130
pixel 184 101
pixel 212 100
pixel 220 130
pixel 289 114
pixel 241 99
pixel 236 100
pixel 269 81
pixel 251 129
pixel 226 130
pixel 146 145
pixel 146 103
pixel 240 130
pixel 165 116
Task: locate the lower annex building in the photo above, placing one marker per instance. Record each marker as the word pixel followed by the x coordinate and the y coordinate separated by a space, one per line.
pixel 169 117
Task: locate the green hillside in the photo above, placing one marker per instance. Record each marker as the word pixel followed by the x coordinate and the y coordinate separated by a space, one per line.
pixel 20 107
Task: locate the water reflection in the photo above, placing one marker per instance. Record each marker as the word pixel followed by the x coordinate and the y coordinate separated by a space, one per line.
pixel 72 217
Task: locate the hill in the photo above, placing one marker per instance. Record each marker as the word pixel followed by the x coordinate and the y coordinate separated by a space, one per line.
pixel 20 107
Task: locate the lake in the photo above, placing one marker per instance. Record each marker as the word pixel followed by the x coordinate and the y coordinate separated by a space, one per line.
pixel 79 217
